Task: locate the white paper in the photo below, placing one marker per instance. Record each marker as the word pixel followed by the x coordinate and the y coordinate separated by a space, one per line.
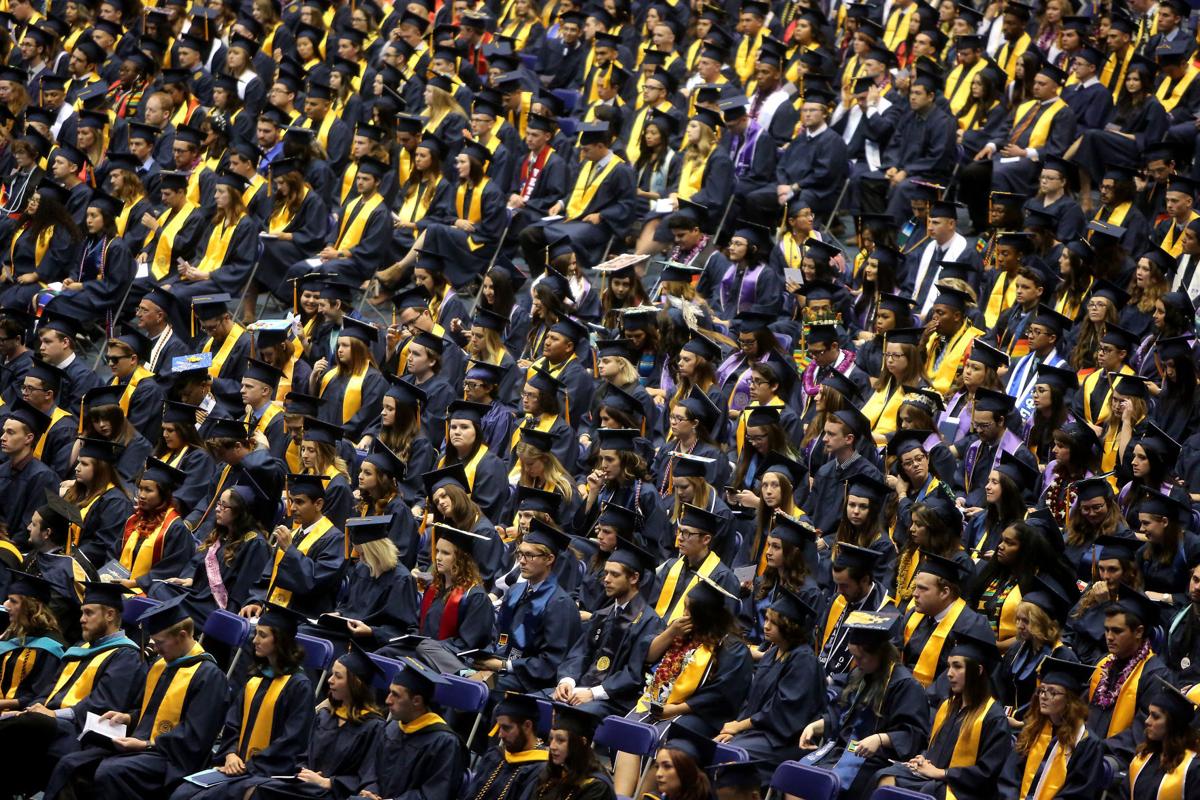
pixel 265 235
pixel 104 727
pixel 663 205
pixel 552 218
pixel 745 573
pixel 793 275
pixel 143 269
pixel 1009 159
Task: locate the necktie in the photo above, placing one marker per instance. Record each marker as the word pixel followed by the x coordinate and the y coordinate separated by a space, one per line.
pixel 1024 124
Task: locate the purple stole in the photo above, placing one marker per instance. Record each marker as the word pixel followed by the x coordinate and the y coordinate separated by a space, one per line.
pixel 1009 442
pixel 746 295
pixel 742 149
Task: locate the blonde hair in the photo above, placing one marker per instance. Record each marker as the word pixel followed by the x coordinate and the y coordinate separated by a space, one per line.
pixel 556 477
pixel 380 556
pixel 698 152
pixel 442 103
pixel 626 374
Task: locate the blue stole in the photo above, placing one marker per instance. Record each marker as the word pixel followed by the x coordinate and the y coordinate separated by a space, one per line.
pixel 1021 381
pixel 36 643
pixel 108 643
pixel 522 632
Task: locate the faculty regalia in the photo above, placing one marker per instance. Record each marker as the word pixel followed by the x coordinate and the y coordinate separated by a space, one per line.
pixel 611 653
pixel 182 707
pixel 423 758
pixel 268 725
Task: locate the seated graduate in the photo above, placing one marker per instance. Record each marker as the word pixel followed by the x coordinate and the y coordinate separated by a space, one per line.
pixel 269 722
pixel 882 708
pixel 319 457
pixel 102 672
pixel 417 754
pixel 25 488
pixel 681 762
pixel 104 419
pixel 378 598
pixel 603 672
pixel 1115 570
pixel 229 343
pixel 31 647
pixel 937 610
pixel 401 431
pixel 350 385
pixel 225 567
pixel 1039 619
pixel 346 731
pixel 260 385
pixel 450 503
pixel 486 473
pixel 621 477
pixel 156 544
pixel 573 771
pixel 677 577
pixel 509 770
pixel 379 478
pixel 141 401
pixel 970 740
pixel 1170 753
pixel 171 734
pixel 538 621
pixel 181 446
pixel 94 286
pixel 855 590
pixel 788 688
pixel 102 499
pixel 224 259
pixel 306 569
pixel 1122 683
pixel 1055 756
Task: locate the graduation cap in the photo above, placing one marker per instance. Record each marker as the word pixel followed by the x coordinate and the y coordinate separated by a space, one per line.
pixel 1119 338
pixel 162 473
pixel 855 420
pixel 1021 473
pixel 27 585
pixel 382 458
pixel 547 535
pixel 927 399
pixel 211 306
pixel 1131 601
pixel 362 530
pixel 941 567
pixel 1061 379
pixel 100 449
pixel 311 486
pixel 1117 548
pixel 453 475
pixel 761 416
pixel 867 486
pixel 848 556
pixel 263 372
pixel 626 551
pixel 282 620
pixel 157 619
pixel 618 439
pixel 358 662
pixel 686 465
pixel 699 519
pixel 1106 230
pixel 463 540
pixel 465 409
pixel 1048 595
pixel 781 464
pixel 1070 675
pixel 531 499
pixel 355 328
pixel 99 593
pixel 792 606
pixel 707 593
pixel 1164 505
pixel 903 441
pixel 995 401
pixel 981 650
pixel 574 719
pixel 29 416
pixel 695 744
pixel 870 627
pixel 520 706
pixel 905 335
pixel 318 430
pixel 1172 702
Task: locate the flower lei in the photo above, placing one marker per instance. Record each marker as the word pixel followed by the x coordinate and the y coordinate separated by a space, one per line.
pixel 691 254
pixel 1108 689
pixel 679 655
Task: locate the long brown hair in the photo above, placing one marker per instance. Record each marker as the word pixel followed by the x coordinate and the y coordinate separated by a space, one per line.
pixel 693 782
pixel 1076 715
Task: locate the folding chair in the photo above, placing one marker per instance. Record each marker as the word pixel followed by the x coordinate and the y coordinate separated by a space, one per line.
pixel 318 655
pixel 388 667
pixel 730 752
pixel 467 696
pixel 896 793
pixel 230 630
pixel 135 607
pixel 811 783
pixel 629 736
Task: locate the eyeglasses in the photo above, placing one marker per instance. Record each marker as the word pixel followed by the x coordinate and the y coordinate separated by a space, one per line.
pixel 982 426
pixel 523 555
pixel 894 355
pixel 759 382
pixel 1050 694
pixel 755 438
pixel 116 359
pixel 31 389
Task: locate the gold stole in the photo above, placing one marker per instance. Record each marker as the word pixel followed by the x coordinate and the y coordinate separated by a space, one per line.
pixel 746 55
pixel 835 613
pixel 1055 772
pixel 348 180
pixel 25 657
pixel 82 686
pixel 166 232
pixel 966 748
pixel 123 217
pixel 273 411
pixel 256 183
pixel 1173 240
pixel 897 26
pixel 960 79
pixel 711 562
pixel 1117 217
pixel 260 728
pixel 231 339
pixel 1170 95
pixel 177 458
pixel 1009 53
pixel 471 466
pixel 691 176
pixel 424 721
pixel 1126 705
pixel 1171 785
pixel 1007 628
pixel 688 680
pixel 881 408
pixel 281 217
pixel 351 230
pixel 39 247
pixel 473 211
pixel 1115 64
pixel 1041 127
pixel 352 396
pixel 585 187
pixel 168 712
pixel 76 531
pixel 634 149
pixel 217 248
pixel 56 414
pixel 137 554
pixel 139 374
pixel 943 376
pixel 1003 295
pixel 925 669
pixel 282 597
pixel 292 456
pixel 323 130
pixel 740 436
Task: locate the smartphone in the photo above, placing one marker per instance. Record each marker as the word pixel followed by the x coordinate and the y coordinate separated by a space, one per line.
pixel 656 709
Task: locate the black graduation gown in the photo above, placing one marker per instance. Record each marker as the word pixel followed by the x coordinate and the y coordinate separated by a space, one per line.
pixel 825 501
pixel 1083 778
pixel 178 548
pixel 145 408
pixel 976 781
pixel 624 643
pixel 1015 677
pixel 785 695
pixel 39 676
pixel 100 538
pixel 388 603
pixel 903 716
pixel 238 578
pixel 229 379
pixel 12 376
pixel 368 255
pixel 339 500
pixel 564 444
pixel 1183 646
pixel 504 779
pixel 374 387
pixel 429 762
pixel 308 229
pixel 312 579
pixel 548 635
pixel 177 752
pixel 476 617
pixel 133 458
pixel 724 689
pixel 99 296
pixel 77 381
pixel 969 621
pixel 198 465
pixel 1123 744
pixel 234 271
pixel 24 491
pixel 1150 778
pixel 338 752
pixel 62 254
pixel 469 261
pixel 291 727
pixel 722 576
